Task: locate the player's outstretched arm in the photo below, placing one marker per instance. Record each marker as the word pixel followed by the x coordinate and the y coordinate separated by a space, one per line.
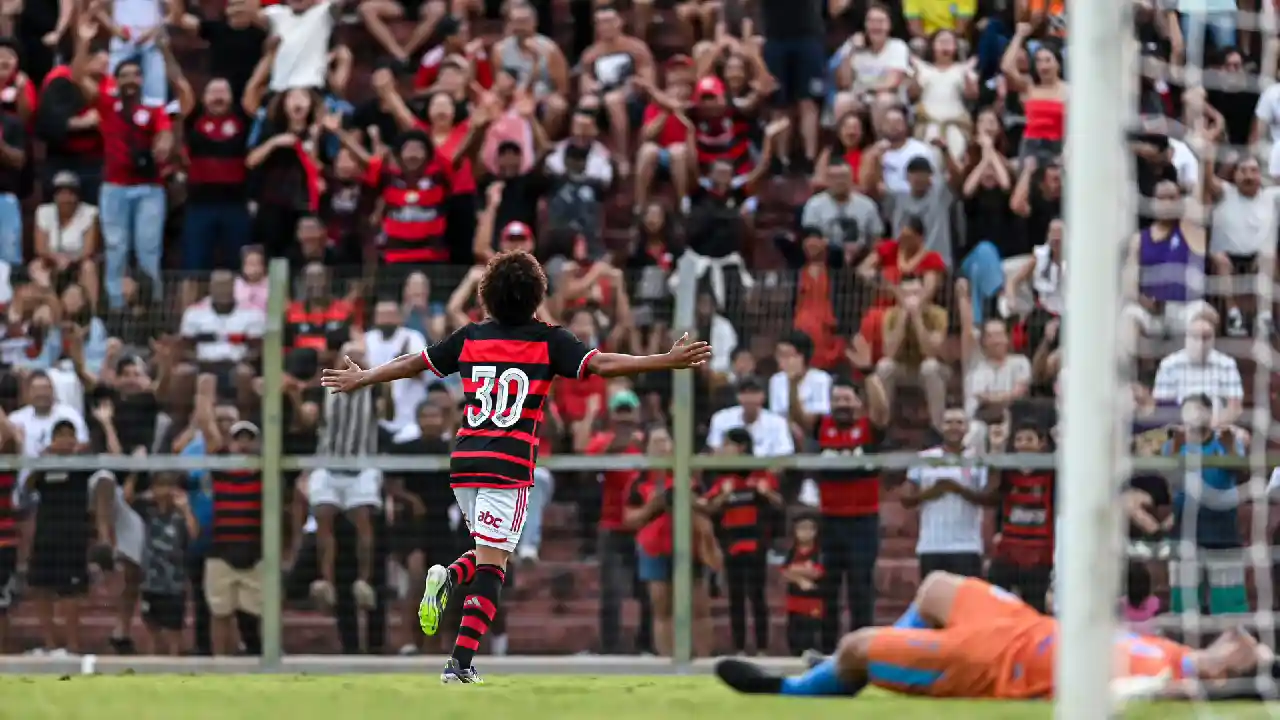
pixel 683 354
pixel 351 377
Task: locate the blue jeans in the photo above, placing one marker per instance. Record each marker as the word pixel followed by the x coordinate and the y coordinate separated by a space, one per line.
pixel 544 487
pixel 214 234
pixel 984 270
pixel 1220 26
pixel 132 219
pixel 155 85
pixel 10 229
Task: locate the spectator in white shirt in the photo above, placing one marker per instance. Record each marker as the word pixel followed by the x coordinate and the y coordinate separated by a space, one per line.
pixel 770 433
pixel 37 418
pixel 221 332
pixel 798 392
pixel 141 21
pixel 950 500
pixel 304 28
pixel 389 339
pixel 1200 369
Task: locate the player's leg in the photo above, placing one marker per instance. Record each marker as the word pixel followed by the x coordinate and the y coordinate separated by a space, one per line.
pixel 363 498
pixel 326 499
pixel 945 599
pixel 440 580
pixel 843 674
pixel 496 526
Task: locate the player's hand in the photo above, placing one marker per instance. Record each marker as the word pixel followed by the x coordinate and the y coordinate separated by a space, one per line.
pixel 345 379
pixel 685 354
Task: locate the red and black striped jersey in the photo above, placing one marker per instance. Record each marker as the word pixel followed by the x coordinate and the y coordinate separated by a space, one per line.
pixel 8 513
pixel 506 376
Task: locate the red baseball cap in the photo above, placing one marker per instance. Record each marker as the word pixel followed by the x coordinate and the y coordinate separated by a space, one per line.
pixel 709 85
pixel 517 229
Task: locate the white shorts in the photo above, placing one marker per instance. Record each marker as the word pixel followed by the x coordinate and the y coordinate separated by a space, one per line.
pixel 495 516
pixel 345 491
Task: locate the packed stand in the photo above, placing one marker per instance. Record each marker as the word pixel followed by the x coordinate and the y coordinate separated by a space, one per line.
pixel 870 197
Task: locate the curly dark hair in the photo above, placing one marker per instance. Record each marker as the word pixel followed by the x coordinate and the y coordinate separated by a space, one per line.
pixel 513 287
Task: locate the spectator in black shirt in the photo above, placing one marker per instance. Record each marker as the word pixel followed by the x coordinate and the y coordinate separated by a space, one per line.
pixel 235 43
pixel 1037 198
pixel 420 536
pixel 989 225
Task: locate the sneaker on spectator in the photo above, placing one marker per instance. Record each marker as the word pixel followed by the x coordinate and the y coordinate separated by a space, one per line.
pixel 323 593
pixel 366 598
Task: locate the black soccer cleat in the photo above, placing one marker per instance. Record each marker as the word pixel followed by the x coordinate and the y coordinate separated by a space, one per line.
pixel 455 673
pixel 747 677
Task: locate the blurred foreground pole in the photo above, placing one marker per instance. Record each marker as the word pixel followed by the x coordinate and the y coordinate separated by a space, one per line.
pixel 272 451
pixel 1098 183
pixel 682 476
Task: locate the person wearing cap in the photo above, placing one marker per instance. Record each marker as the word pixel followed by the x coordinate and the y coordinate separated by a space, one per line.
pixel 511 235
pixel 770 432
pixel 615 544
pixel 233 566
pixel 67 236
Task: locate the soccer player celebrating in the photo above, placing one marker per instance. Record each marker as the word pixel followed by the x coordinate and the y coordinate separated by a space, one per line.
pixel 965 638
pixel 507 363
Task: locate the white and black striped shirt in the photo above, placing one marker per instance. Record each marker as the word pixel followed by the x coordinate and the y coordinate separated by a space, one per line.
pixel 350 425
pixel 949 524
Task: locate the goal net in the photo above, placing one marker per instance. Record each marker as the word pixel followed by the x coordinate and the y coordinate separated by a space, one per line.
pixel 1182 422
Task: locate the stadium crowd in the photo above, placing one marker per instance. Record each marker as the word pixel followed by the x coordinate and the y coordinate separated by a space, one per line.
pixel 871 195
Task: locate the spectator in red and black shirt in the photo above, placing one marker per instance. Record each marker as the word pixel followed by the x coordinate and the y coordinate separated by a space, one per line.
pixel 9 530
pixel 13 158
pixel 68 123
pixel 217 223
pixel 137 141
pixel 743 500
pixel 233 568
pixel 615 546
pixel 803 572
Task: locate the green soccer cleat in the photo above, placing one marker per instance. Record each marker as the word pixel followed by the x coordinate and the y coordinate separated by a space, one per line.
pixel 434 599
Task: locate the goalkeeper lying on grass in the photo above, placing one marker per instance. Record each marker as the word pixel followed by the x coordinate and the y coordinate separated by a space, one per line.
pixel 965 638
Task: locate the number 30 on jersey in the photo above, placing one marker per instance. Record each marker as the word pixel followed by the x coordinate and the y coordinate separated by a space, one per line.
pixel 497 403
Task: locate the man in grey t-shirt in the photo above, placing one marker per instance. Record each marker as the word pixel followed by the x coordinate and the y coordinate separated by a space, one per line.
pixel 840 212
pixel 170 526
pixel 929 198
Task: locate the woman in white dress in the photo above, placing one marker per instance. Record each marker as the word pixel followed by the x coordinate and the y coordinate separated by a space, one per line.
pixel 873 67
pixel 941 85
pixel 67 239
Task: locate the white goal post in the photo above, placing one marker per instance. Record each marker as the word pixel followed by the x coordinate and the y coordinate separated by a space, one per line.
pixel 1098 217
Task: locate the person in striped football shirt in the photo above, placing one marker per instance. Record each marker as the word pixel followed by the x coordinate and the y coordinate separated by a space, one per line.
pixel 507 362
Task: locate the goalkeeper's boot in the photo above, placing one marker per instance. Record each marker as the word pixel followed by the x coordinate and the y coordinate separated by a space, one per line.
pixel 435 597
pixel 748 677
pixel 455 673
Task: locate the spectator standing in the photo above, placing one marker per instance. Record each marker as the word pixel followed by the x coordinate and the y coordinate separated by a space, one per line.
pixel 349 430
pixel 217 225
pixel 929 198
pixel 42 412
pixel 795 58
pixel 803 571
pixel 59 563
pixel 13 157
pixel 849 503
pixel 69 122
pixel 138 26
pixel 742 502
pixel 137 138
pixel 873 67
pixel 1211 561
pixel 1022 554
pixel 10 529
pixel 170 526
pixel 304 28
pixel 1043 92
pixel 388 339
pixel 950 499
pixel 233 567
pixel 235 40
pixel 616 548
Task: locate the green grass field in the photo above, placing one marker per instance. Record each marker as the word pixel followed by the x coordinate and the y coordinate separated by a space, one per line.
pixel 379 697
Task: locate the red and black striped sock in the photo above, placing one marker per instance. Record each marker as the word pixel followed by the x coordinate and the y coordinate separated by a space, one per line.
pixel 463 570
pixel 478 611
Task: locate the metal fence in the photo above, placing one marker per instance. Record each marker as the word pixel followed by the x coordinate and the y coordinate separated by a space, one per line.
pixel 764 306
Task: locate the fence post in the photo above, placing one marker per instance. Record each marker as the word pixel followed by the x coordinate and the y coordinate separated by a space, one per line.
pixel 272 450
pixel 683 449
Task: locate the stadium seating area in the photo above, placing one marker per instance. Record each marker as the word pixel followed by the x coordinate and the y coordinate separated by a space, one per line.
pixel 930 186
